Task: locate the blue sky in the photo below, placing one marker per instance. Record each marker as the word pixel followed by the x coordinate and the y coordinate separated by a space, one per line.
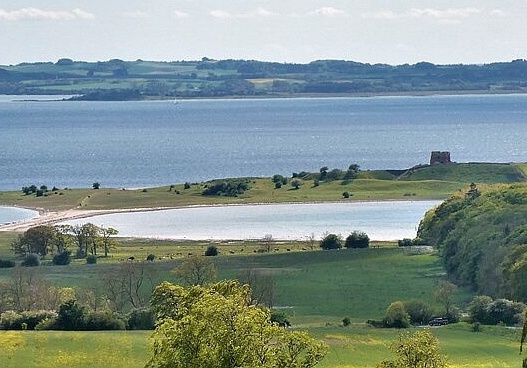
pixel 374 31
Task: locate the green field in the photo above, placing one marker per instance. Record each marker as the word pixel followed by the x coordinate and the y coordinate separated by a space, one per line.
pixel 350 347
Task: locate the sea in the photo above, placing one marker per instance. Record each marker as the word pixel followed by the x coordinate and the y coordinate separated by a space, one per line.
pixel 72 144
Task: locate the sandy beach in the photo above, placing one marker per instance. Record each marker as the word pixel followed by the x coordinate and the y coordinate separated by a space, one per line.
pixel 54 217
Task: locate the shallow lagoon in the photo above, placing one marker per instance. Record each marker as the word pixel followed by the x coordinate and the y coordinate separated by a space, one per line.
pixel 386 220
pixel 15 214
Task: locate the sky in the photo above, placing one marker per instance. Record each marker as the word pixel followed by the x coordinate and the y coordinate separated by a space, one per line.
pixel 295 31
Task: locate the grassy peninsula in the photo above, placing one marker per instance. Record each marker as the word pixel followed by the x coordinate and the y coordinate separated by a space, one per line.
pixel 422 182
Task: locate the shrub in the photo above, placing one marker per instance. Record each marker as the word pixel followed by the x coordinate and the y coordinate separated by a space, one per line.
pixel 229 188
pixel 25 320
pixel 151 257
pixel 91 259
pixel 406 242
pixel 396 316
pixel 31 260
pixel 346 194
pixel 186 185
pixel 141 319
pixel 62 259
pixel 419 311
pixel 6 263
pixel 278 185
pixel 280 318
pixel 70 316
pixel 212 250
pixel 331 241
pixel 357 239
pixel 100 321
pixel 346 321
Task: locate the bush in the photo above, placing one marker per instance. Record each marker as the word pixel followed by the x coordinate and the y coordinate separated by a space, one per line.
pixel 101 321
pixel 280 318
pixel 62 259
pixel 406 242
pixel 141 319
pixel 278 185
pixel 70 316
pixel 26 320
pixel 331 241
pixel 346 194
pixel 419 311
pixel 31 260
pixel 357 239
pixel 396 316
pixel 211 251
pixel 230 188
pixel 346 321
pixel 151 257
pixel 91 259
pixel 6 263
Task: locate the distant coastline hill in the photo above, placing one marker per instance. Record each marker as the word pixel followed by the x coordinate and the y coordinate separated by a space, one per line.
pixel 132 80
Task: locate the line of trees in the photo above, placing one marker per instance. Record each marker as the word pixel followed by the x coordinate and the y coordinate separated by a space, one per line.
pixel 86 239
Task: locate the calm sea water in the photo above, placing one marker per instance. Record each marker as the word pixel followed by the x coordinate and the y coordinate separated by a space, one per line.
pixel 15 214
pixel 142 144
pixel 387 220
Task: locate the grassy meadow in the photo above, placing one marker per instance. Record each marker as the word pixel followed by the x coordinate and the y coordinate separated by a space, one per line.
pixel 357 346
pixel 316 288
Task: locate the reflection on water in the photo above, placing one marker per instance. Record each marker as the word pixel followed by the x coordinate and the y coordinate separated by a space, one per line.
pixel 387 220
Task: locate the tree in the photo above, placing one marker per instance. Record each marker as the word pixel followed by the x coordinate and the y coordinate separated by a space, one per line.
pixel 396 316
pixel 217 327
pixel 417 350
pixel 36 240
pixel 357 239
pixel 96 185
pixel 195 270
pixel 107 241
pixel 296 183
pixel 331 241
pixel 129 285
pixel 262 286
pixel 418 310
pixel 444 294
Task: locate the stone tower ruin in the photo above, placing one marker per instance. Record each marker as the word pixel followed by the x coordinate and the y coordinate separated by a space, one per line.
pixel 440 157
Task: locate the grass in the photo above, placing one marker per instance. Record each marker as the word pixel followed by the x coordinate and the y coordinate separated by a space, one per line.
pixel 357 346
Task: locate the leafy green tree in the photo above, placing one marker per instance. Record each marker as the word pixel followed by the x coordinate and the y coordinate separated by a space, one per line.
pixel 396 316
pixel 96 185
pixel 357 239
pixel 417 350
pixel 418 310
pixel 36 240
pixel 217 327
pixel 444 293
pixel 331 241
pixel 107 239
pixel 478 307
pixel 195 270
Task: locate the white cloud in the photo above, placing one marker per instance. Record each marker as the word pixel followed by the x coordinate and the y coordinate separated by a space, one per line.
pixel 446 15
pixel 180 14
pixel 259 12
pixel 328 11
pixel 221 14
pixel 40 14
